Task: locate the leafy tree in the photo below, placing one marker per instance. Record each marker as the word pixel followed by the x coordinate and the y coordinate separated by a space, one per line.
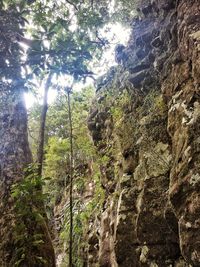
pixel 57 161
pixel 41 40
pixel 58 145
pixel 28 203
pixel 14 149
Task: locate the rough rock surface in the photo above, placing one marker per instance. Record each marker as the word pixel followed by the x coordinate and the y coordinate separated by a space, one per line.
pixel 146 122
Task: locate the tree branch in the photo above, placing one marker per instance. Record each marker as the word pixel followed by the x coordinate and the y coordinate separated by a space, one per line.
pixel 72 4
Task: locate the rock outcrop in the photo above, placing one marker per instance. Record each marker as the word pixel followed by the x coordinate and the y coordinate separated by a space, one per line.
pixel 145 123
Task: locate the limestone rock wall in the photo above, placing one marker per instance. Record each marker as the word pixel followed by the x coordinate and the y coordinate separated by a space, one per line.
pixel 145 123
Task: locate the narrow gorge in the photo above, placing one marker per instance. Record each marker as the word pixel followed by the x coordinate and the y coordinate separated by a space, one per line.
pixel 145 120
pixel 99 170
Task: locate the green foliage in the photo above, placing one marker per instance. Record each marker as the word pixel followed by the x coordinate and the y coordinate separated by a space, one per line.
pixel 63 35
pixel 160 105
pixel 77 234
pixel 64 38
pixel 153 105
pixel 95 204
pixel 84 214
pixel 57 119
pixel 56 167
pixel 57 156
pixel 124 11
pixel 120 103
pixel 28 202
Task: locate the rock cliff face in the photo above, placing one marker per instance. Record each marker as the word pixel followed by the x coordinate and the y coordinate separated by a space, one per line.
pixel 145 124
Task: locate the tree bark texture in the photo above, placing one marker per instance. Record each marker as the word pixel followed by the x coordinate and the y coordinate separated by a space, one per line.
pixel 40 152
pixel 71 179
pixel 14 148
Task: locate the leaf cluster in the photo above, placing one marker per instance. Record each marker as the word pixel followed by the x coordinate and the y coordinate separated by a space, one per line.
pixel 29 215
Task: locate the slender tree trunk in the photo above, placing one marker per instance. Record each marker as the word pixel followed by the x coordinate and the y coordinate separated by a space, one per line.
pixel 40 151
pixel 71 179
pixel 41 141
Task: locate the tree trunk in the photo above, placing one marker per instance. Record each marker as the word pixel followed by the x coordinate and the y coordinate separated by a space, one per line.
pixel 71 180
pixel 40 151
pixel 14 149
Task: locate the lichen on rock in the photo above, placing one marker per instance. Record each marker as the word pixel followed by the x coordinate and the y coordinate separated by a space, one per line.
pixel 147 124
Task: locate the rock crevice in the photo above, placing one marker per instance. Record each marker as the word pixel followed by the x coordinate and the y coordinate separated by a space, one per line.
pixel 146 123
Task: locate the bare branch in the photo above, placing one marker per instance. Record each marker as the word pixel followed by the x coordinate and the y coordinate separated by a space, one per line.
pixel 72 4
